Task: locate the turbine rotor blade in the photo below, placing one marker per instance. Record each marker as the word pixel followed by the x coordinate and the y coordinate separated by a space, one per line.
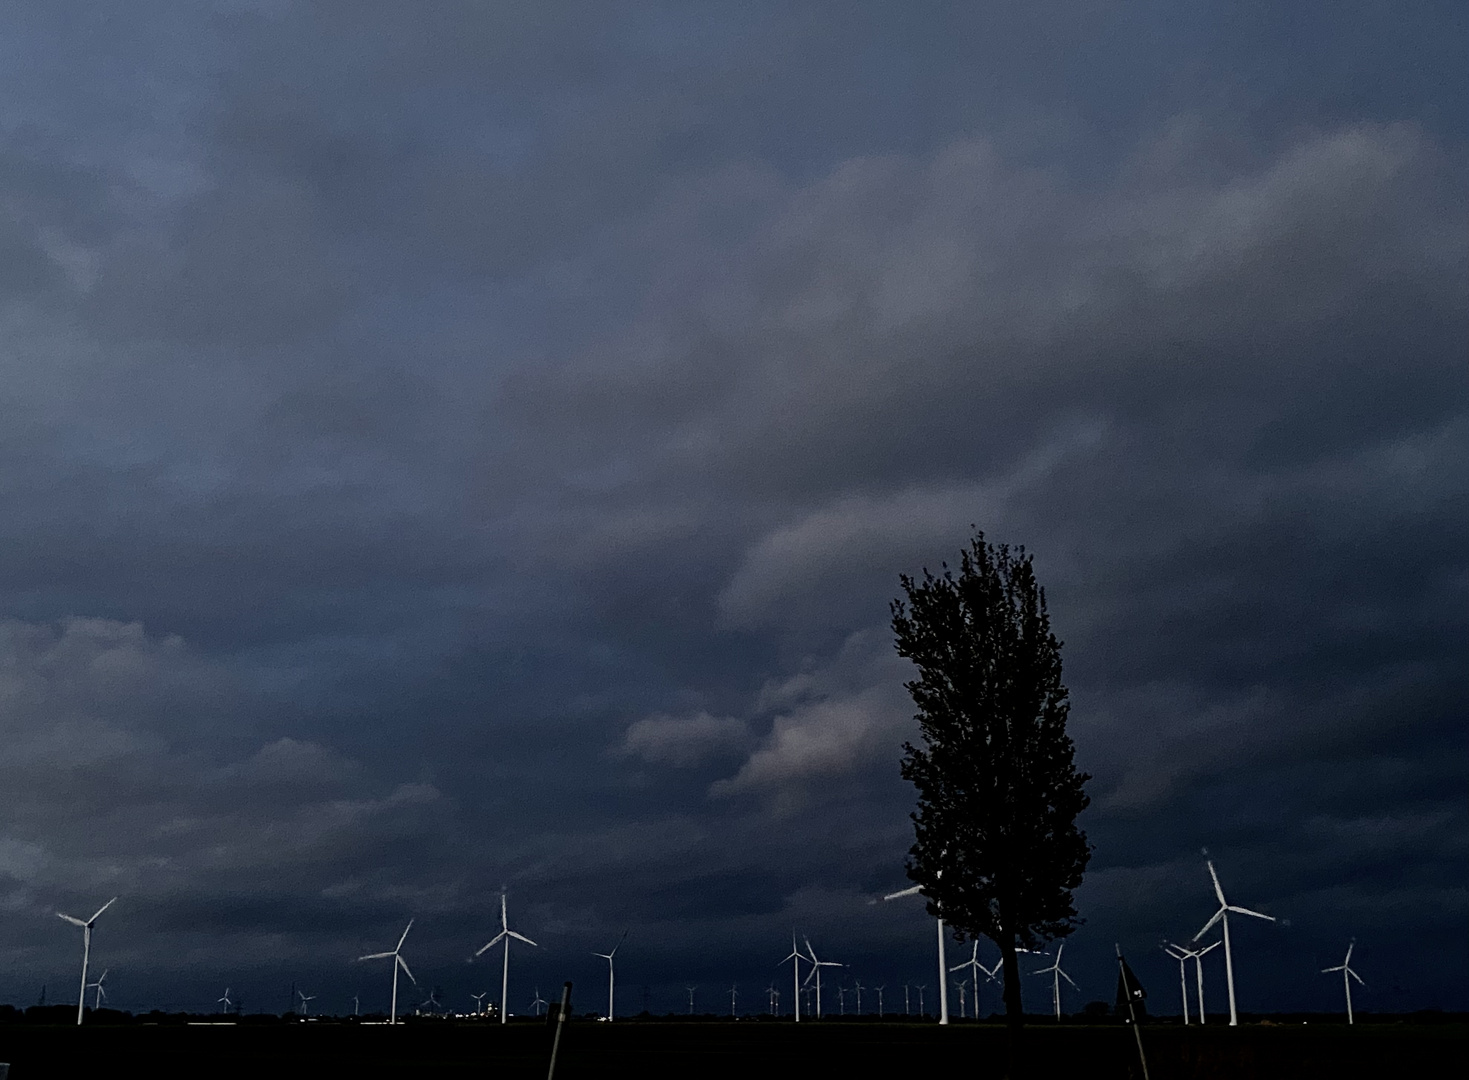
pixel 1247 911
pixel 404 965
pixel 1210 924
pixel 405 934
pixel 103 908
pixel 492 942
pixel 911 891
pixel 1354 975
pixel 369 956
pixel 1068 978
pixel 1217 890
pixel 72 919
pixel 520 937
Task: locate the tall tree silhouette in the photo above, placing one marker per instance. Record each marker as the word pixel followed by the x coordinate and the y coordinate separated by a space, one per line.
pixel 997 851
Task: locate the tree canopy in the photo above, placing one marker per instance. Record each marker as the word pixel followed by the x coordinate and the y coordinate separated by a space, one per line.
pixel 997 851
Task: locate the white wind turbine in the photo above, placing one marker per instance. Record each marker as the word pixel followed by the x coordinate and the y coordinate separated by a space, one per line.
pixel 1056 976
pixel 228 1004
pixel 920 987
pixel 815 972
pixel 943 962
pixel 86 950
pixel 398 961
pixel 1179 953
pixel 975 967
pixel 306 1000
pixel 479 1002
pixel 795 960
pixel 857 986
pixel 879 1000
pixel 1345 968
pixel 101 993
pixel 608 957
pixel 961 986
pixel 506 934
pixel 691 990
pixel 1222 915
pixel 734 992
pixel 538 1002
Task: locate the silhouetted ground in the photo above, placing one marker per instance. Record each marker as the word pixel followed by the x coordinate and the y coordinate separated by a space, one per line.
pixel 708 1051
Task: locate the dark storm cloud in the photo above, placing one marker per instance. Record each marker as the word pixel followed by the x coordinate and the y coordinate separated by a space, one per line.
pixel 454 447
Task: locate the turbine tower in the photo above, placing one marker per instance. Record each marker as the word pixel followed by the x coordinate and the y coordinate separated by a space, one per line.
pixel 608 957
pixel 398 961
pixel 86 951
pixel 1056 976
pixel 1344 967
pixel 506 934
pixel 1222 915
pixel 943 962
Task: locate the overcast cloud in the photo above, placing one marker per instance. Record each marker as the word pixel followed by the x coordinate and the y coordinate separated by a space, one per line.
pixel 451 446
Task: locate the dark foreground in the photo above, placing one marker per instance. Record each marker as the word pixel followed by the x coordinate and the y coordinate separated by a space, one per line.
pixel 750 1051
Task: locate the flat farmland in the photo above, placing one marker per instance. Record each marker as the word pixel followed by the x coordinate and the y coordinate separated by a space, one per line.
pixel 705 1051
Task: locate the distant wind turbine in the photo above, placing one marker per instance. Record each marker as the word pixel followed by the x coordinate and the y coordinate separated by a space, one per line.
pixel 815 972
pixel 1056 976
pixel 479 1002
pixel 691 990
pixel 921 987
pixel 432 1003
pixel 505 934
pixel 306 1000
pixel 960 986
pixel 1345 968
pixel 228 1004
pixel 879 1000
pixel 86 950
pixel 943 962
pixel 398 961
pixel 101 994
pixel 538 1002
pixel 975 967
pixel 734 992
pixel 608 957
pixel 1222 915
pixel 1179 953
pixel 795 961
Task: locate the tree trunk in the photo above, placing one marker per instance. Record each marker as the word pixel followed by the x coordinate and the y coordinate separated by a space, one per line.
pixel 1014 1008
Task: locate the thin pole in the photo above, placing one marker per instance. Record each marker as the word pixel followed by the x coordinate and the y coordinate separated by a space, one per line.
pixel 1348 984
pixel 86 951
pixel 943 975
pixel 609 990
pixel 1183 986
pixel 1229 973
pixel 393 1013
pixel 560 1020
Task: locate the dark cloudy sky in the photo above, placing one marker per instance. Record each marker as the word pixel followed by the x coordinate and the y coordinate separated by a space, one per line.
pixel 452 445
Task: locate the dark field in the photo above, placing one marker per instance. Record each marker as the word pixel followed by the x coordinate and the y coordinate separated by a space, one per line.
pixel 751 1051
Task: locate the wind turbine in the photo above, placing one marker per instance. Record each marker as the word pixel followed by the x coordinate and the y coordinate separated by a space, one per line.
pixel 539 1001
pixel 734 992
pixel 920 987
pixel 86 950
pixel 943 962
pixel 691 990
pixel 1345 968
pixel 305 1000
pixel 879 1000
pixel 228 1004
pixel 907 1008
pixel 432 1003
pixel 975 967
pixel 101 993
pixel 479 1002
pixel 1179 953
pixel 1056 976
pixel 960 986
pixel 774 995
pixel 1222 915
pixel 398 961
pixel 608 957
pixel 795 958
pixel 815 972
pixel 506 934
pixel 356 1005
pixel 857 985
